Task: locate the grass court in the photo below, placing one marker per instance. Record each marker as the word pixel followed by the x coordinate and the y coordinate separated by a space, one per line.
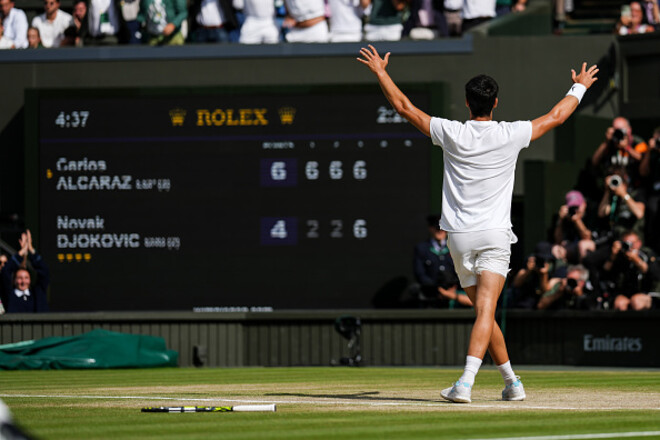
pixel 338 403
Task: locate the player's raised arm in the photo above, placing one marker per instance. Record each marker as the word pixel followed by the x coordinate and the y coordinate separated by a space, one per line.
pixel 394 95
pixel 565 108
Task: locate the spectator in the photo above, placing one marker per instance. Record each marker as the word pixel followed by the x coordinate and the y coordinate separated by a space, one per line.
pixel 15 24
pixel 454 17
pixel 162 20
pixel 305 22
pixel 571 292
pixel 80 19
pixel 131 33
pixel 434 268
pixel 626 271
pixel 259 26
pixel 426 20
pixel 5 43
pixel 345 21
pixel 385 20
pixel 34 38
pixel 620 148
pixel 633 23
pixel 476 12
pixel 105 24
pixel 531 281
pixel 649 169
pixel 562 9
pixel 571 235
pixel 21 295
pixel 651 12
pixel 622 206
pixel 52 23
pixel 212 21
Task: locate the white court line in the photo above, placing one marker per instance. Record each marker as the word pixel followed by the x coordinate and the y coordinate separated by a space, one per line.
pixel 503 405
pixel 582 436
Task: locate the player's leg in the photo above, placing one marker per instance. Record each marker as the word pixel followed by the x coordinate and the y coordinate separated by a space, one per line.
pixel 489 286
pixel 497 345
pixel 484 299
pixel 514 389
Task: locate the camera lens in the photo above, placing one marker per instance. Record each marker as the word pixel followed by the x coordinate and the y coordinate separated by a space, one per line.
pixel 617 135
pixel 615 181
pixel 571 283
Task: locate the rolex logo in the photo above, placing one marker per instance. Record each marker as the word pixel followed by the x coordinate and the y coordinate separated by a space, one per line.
pixel 177 116
pixel 286 115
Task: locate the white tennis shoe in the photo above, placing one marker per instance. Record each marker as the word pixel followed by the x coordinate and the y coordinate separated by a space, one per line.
pixel 514 391
pixel 461 392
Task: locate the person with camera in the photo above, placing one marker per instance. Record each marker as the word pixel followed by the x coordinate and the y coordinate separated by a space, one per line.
pixel 572 237
pixel 531 281
pixel 625 272
pixel 571 292
pixel 621 148
pixel 434 269
pixel 649 169
pixel 622 206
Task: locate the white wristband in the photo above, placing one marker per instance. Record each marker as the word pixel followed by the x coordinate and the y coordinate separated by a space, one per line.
pixel 577 90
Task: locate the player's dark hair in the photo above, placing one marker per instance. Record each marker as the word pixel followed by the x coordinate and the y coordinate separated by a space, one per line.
pixel 480 93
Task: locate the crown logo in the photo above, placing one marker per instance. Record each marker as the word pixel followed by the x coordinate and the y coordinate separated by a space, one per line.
pixel 177 116
pixel 286 115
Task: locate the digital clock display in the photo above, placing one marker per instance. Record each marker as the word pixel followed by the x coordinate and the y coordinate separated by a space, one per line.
pixel 72 119
pixel 305 198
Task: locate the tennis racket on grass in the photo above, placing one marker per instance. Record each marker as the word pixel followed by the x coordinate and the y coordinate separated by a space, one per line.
pixel 189 409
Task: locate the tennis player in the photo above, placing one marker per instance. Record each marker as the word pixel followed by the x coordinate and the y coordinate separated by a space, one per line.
pixel 479 162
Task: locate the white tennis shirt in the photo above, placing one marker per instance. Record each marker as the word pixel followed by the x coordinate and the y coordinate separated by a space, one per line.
pixel 480 162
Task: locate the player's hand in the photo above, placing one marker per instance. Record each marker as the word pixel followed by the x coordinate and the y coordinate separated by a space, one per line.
pixel 585 77
pixel 373 60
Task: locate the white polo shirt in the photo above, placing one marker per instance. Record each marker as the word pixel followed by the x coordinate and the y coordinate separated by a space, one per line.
pixel 480 162
pixel 16 26
pixel 52 32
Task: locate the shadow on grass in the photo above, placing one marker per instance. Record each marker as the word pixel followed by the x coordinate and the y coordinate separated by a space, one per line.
pixel 373 396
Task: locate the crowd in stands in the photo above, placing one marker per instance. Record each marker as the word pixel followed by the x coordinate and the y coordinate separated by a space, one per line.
pixel 175 22
pixel 602 250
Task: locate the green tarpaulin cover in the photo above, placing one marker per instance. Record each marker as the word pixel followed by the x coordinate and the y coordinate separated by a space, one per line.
pixel 96 349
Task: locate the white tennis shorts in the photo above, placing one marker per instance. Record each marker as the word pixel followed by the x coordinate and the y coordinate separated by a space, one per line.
pixel 474 252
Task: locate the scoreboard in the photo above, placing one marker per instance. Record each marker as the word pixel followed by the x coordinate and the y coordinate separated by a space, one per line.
pixel 211 199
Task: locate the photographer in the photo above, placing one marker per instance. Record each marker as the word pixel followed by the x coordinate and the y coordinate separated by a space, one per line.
pixel 574 291
pixel 649 168
pixel 572 238
pixel 627 271
pixel 532 280
pixel 620 148
pixel 622 206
